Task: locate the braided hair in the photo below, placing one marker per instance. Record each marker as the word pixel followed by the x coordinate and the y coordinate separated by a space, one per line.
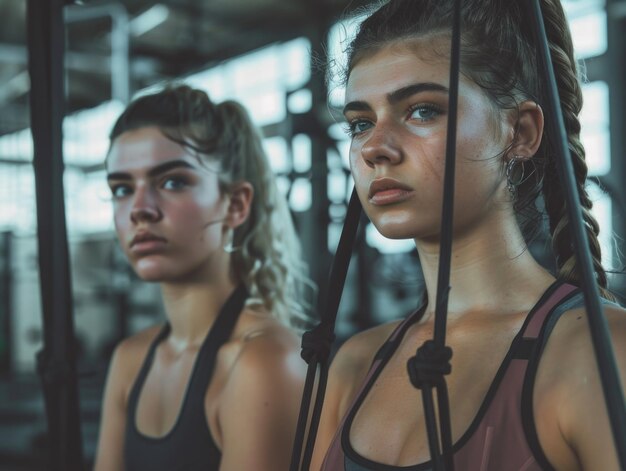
pixel 499 55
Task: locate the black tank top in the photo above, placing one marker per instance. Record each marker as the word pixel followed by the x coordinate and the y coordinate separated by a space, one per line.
pixel 189 445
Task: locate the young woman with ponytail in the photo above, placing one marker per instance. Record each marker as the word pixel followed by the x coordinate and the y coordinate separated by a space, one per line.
pixel 524 389
pixel 197 210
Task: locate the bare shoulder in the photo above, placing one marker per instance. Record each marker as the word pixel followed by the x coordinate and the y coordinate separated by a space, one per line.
pixel 352 363
pixel 570 413
pixel 261 349
pixel 356 354
pixel 129 355
pixel 123 369
pixel 571 343
pixel 131 347
pixel 261 386
pixel 347 373
pixel 571 338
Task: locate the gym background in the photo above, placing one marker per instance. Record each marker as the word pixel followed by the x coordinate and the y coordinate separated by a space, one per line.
pixel 271 55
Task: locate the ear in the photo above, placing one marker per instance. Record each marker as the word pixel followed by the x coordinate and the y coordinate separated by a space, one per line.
pixel 240 201
pixel 527 123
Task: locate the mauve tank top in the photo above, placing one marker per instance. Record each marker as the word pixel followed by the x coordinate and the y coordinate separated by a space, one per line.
pixel 189 445
pixel 502 436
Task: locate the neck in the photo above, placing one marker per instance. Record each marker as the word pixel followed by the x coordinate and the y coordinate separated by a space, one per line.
pixel 492 269
pixel 193 304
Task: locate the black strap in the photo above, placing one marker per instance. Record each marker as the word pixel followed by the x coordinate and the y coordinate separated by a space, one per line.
pixel 432 360
pixel 221 331
pixel 201 374
pixel 56 362
pixel 133 397
pixel 317 343
pixel 605 356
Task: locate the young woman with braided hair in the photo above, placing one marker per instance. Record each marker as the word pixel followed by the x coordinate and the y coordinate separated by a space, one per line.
pixel 197 210
pixel 524 390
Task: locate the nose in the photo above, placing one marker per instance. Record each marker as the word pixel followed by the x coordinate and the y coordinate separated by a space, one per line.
pixel 382 147
pixel 145 207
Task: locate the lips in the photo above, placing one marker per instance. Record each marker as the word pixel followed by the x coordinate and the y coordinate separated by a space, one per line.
pixel 145 242
pixel 385 191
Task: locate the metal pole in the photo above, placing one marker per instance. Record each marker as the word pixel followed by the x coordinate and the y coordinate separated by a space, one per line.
pixel 56 362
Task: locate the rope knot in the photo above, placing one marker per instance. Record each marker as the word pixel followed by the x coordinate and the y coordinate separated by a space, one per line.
pixel 317 343
pixel 429 365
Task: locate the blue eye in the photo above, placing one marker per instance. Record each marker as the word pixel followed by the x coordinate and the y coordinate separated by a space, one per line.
pixel 119 191
pixel 358 126
pixel 174 183
pixel 424 112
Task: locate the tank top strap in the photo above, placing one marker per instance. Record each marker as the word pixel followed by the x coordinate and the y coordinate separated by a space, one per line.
pixel 219 334
pixel 553 298
pixel 133 397
pixel 334 459
pixel 392 342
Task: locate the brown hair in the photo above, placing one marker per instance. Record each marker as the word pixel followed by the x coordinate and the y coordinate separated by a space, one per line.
pixel 267 256
pixel 499 54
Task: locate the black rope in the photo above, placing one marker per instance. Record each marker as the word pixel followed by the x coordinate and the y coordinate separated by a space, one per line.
pixel 317 343
pixel 598 326
pixel 432 360
pixel 317 413
pixel 56 362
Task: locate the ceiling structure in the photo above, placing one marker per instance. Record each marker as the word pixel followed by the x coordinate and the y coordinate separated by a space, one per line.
pixel 163 39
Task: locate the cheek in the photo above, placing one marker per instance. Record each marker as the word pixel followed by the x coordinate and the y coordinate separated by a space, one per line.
pixel 197 214
pixel 358 167
pixel 121 219
pixel 479 131
pixel 189 216
pixel 430 156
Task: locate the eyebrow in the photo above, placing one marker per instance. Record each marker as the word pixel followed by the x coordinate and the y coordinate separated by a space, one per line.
pixel 155 171
pixel 398 95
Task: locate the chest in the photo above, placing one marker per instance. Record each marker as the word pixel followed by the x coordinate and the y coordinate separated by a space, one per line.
pixel 175 387
pixel 394 405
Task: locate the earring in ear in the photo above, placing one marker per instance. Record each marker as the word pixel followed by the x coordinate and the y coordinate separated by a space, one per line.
pixel 229 247
pixel 514 174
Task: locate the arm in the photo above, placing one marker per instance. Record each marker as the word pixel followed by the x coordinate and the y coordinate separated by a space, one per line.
pixel 259 405
pixel 109 455
pixel 125 364
pixel 347 373
pixel 581 413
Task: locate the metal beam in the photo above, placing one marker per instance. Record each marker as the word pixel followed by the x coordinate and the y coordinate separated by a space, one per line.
pixel 80 61
pixel 56 363
pixel 616 78
pixel 120 32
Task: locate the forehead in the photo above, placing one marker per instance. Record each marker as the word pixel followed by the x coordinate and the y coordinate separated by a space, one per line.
pixel 397 65
pixel 144 148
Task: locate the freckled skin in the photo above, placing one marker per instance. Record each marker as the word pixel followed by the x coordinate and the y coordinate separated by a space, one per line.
pixel 164 205
pixel 396 143
pixel 396 107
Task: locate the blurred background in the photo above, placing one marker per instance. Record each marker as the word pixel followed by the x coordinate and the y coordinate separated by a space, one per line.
pixel 271 55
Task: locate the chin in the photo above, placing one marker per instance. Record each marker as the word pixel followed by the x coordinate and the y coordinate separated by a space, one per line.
pixel 402 224
pixel 397 230
pixel 152 270
pixel 151 275
pixel 164 271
